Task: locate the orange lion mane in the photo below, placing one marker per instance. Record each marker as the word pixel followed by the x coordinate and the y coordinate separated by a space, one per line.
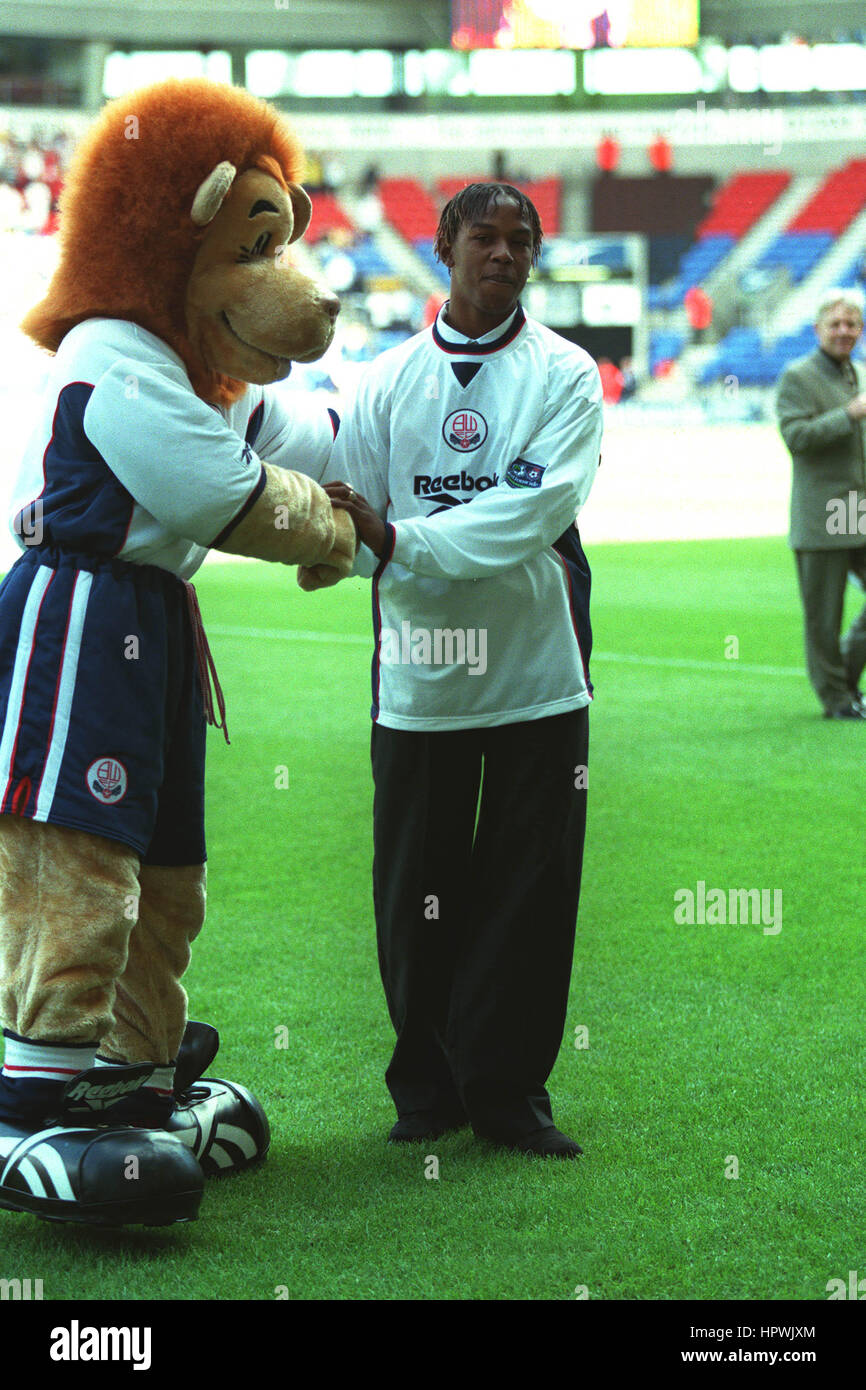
pixel 127 241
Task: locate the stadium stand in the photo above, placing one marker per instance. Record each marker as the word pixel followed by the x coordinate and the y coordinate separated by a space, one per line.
pixel 31 177
pixel 810 234
pixel 413 211
pixel 369 261
pixel 836 202
pixel 742 355
pixel 741 201
pixel 334 233
pixel 796 252
pixel 423 247
pixel 546 194
pixel 409 208
pixel 328 216
pixel 737 205
pixel 760 241
pixel 665 346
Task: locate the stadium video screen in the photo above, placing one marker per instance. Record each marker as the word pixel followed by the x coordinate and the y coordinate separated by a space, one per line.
pixel 574 24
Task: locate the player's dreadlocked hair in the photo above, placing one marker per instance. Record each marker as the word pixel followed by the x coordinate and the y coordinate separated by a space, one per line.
pixel 470 205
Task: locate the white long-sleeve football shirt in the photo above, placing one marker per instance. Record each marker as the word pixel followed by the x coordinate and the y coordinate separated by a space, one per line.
pixel 478 454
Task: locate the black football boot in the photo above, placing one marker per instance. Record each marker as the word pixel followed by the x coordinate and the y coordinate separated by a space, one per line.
pixel 79 1165
pixel 223 1124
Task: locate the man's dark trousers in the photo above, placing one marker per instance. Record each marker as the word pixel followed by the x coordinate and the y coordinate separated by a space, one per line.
pixel 834 667
pixel 476 922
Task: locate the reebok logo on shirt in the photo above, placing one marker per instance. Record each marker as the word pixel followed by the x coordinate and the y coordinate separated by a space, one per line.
pixel 427 485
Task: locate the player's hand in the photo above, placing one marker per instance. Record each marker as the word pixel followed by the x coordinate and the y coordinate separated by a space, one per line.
pixel 857 408
pixel 368 523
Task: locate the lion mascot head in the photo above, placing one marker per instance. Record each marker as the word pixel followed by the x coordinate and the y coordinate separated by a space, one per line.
pixel 176 213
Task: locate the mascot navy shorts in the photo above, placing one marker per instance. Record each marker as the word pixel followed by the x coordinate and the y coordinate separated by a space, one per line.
pixel 102 726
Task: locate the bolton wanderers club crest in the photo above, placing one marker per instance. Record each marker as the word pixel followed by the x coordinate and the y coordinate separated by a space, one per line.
pixel 106 780
pixel 465 430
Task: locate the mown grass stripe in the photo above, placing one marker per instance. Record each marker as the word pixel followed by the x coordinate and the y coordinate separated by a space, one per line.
pixel 628 658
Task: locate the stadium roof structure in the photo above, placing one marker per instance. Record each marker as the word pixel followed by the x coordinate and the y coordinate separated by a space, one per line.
pixel 741 21
pixel 356 24
pixel 253 23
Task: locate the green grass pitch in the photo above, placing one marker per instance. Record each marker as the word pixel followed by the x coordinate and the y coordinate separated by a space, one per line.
pixel 712 1072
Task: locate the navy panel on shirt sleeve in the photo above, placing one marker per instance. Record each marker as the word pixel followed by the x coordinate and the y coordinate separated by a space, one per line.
pixel 254 424
pixel 82 504
pixel 570 550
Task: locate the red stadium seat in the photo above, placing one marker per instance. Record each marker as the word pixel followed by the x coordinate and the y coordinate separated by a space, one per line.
pixel 836 203
pixel 546 194
pixel 328 216
pixel 741 201
pixel 409 208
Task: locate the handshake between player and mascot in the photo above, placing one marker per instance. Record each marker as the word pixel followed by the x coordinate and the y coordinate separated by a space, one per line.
pixel 170 312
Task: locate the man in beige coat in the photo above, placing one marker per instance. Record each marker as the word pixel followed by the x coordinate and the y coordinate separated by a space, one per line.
pixel 821 406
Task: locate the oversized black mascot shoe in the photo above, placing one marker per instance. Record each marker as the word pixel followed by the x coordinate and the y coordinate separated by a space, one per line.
pixel 70 1167
pixel 223 1124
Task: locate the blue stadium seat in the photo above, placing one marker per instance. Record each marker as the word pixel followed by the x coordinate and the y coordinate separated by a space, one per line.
pixel 368 260
pixel 702 258
pixel 665 345
pixel 696 264
pixel 853 276
pixel 797 252
pixel 423 247
pixel 744 355
pixel 668 296
pixel 738 354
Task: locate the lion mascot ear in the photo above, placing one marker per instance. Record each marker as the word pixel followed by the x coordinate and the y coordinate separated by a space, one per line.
pixel 303 210
pixel 212 191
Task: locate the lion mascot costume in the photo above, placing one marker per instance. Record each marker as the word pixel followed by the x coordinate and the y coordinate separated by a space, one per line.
pixel 171 311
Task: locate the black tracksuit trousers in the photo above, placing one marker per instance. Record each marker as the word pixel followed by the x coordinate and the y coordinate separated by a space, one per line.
pixel 476 904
